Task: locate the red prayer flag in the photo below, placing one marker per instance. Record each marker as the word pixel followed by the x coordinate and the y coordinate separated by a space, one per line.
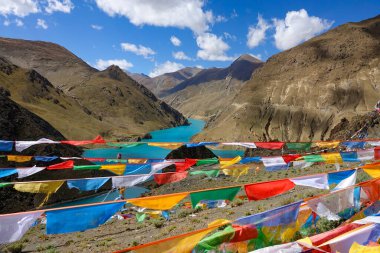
pixel 182 166
pixel 326 236
pixel 97 140
pixel 96 159
pixel 377 153
pixel 290 158
pixel 244 233
pixel 270 145
pixel 59 166
pixel 170 177
pixel 265 190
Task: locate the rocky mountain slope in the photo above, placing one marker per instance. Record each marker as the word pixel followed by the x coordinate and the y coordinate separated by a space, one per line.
pixel 164 82
pixel 111 103
pixel 207 93
pixel 302 93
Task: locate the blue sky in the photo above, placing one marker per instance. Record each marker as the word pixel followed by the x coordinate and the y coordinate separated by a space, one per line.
pixel 136 34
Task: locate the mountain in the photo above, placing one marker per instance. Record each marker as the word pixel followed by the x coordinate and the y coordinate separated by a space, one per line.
pixel 166 81
pixel 108 102
pixel 207 93
pixel 302 93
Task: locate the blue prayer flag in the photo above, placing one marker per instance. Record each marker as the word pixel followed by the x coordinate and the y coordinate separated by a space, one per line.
pixel 87 184
pixel 349 156
pixel 45 158
pixel 199 144
pixel 255 159
pixel 354 144
pixel 80 218
pixel 277 167
pixel 283 215
pixel 6 145
pixel 337 177
pixel 7 172
pixel 132 169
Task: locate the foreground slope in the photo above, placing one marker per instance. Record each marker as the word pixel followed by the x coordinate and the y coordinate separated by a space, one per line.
pixel 302 93
pixel 123 105
pixel 208 93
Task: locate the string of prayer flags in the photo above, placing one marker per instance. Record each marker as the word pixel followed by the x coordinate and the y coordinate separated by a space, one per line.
pixel 270 145
pixel 258 191
pixel 19 158
pixel 7 172
pixel 208 173
pixel 208 161
pixel 45 187
pixel 79 218
pixel 117 169
pixel 170 177
pixel 22 145
pixel 316 181
pixel 217 194
pixel 87 167
pixel 60 166
pixel 299 146
pixel 13 227
pixel 26 172
pixel 165 202
pixel 6 145
pixel 92 184
pixel 225 163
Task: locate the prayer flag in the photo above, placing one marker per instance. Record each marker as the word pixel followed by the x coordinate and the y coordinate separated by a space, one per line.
pixel 64 165
pixel 255 159
pixel 214 160
pixel 167 145
pixel 92 184
pixel 265 190
pixel 140 217
pixel 87 167
pixel 22 145
pixel 332 158
pixel 273 161
pixel 217 194
pixel 208 173
pixel 182 166
pixel 117 169
pixel 357 248
pixel 236 170
pixel 270 145
pixel 299 146
pixel 243 144
pixel 79 218
pixel 47 187
pixel 45 158
pixel 337 177
pixel 290 158
pixel 7 172
pixel 199 144
pixel 327 144
pixel 347 182
pixel 353 144
pixel 6 146
pixel 19 158
pixel 372 169
pixel 97 140
pixel 25 172
pixel 129 181
pixel 162 202
pixel 170 177
pixel 226 163
pixel 14 226
pixel 351 156
pixel 365 155
pixel 137 161
pixel 317 181
pixel 313 158
pixel 125 145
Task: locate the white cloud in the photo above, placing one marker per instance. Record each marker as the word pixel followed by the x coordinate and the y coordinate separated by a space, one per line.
pixel 97 27
pixel 220 18
pixel 19 22
pixel 175 41
pixel 227 35
pixel 181 56
pixel 42 24
pixel 256 34
pixel 164 13
pixel 20 8
pixel 6 22
pixel 103 64
pixel 59 5
pixel 166 67
pixel 212 48
pixel 137 49
pixel 297 27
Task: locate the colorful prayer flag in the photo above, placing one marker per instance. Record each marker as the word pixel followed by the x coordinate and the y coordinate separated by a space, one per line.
pixel 170 177
pixel 265 190
pixel 92 184
pixel 217 194
pixel 162 202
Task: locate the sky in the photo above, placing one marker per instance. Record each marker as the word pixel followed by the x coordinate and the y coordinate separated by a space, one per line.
pixel 160 36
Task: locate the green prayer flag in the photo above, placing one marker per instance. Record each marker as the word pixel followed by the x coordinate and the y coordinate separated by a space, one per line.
pixel 214 160
pixel 124 145
pixel 87 167
pixel 4 184
pixel 215 240
pixel 313 158
pixel 209 173
pixel 140 217
pixel 298 145
pixel 117 160
pixel 218 194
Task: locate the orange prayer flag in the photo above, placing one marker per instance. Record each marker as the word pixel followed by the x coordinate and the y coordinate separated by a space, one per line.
pixel 162 202
pixel 19 158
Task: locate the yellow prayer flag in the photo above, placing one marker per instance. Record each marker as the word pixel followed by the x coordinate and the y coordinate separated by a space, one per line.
pixel 305 241
pixel 374 173
pixel 225 164
pixel 19 158
pixel 357 248
pixel 118 169
pixel 168 145
pixel 154 214
pixel 289 232
pixel 236 170
pixel 137 161
pixel 48 187
pixel 332 158
pixel 179 244
pixel 327 144
pixel 159 202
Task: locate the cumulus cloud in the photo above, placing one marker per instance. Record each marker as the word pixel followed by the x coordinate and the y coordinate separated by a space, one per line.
pixel 256 34
pixel 20 8
pixel 137 49
pixel 97 27
pixel 179 13
pixel 181 56
pixel 166 67
pixel 42 24
pixel 103 64
pixel 297 27
pixel 19 22
pixel 64 6
pixel 175 41
pixel 212 48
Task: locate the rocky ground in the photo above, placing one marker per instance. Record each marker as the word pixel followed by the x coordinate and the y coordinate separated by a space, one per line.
pixel 119 234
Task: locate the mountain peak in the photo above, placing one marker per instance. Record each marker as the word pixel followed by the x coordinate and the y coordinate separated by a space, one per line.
pixel 248 57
